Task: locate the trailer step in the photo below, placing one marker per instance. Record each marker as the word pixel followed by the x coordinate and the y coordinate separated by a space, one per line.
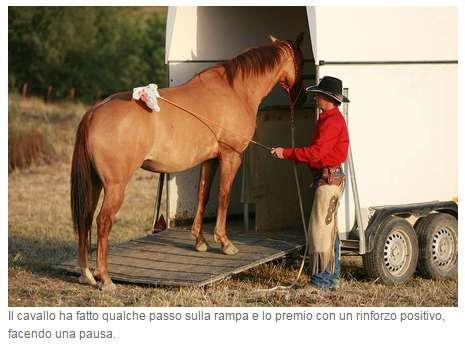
pixel 350 245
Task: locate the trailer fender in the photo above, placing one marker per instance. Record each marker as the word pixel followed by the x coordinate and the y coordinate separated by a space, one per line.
pixel 405 211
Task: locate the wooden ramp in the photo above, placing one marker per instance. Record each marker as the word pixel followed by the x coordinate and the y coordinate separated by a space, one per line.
pixel 168 258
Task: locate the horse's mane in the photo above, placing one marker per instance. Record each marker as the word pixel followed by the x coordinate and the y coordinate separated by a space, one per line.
pixel 254 61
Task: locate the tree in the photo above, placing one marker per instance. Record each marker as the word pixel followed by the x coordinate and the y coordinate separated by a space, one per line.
pixel 95 50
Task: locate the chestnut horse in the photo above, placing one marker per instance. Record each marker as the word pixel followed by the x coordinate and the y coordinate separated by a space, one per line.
pixel 119 135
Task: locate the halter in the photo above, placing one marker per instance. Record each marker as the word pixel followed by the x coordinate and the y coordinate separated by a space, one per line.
pixel 296 89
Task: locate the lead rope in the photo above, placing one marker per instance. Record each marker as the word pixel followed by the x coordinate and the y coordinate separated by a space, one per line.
pixel 301 206
pixel 296 176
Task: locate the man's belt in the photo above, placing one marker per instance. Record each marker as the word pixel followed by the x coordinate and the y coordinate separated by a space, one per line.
pixel 330 175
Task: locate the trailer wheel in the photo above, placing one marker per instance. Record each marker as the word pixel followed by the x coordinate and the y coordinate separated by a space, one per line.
pixel 394 257
pixel 437 237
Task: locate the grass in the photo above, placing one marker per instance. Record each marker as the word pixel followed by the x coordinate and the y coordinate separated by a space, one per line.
pixel 38 132
pixel 40 236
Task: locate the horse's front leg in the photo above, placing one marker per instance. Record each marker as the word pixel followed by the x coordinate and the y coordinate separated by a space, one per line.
pixel 207 172
pixel 229 164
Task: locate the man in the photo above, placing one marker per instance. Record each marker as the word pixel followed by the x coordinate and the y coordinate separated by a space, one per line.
pixel 325 154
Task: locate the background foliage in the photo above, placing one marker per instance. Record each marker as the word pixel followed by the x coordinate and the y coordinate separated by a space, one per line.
pixel 91 52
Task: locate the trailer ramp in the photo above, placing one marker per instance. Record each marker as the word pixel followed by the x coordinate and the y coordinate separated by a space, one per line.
pixel 168 258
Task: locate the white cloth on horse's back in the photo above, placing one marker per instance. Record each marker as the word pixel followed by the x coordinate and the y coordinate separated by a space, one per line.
pixel 147 94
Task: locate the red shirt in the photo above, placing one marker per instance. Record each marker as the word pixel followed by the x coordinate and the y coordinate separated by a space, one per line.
pixel 329 145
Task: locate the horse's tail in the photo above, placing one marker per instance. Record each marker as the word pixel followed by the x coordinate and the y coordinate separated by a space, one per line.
pixel 85 182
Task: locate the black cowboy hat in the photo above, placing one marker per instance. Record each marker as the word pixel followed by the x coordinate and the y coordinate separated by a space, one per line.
pixel 330 86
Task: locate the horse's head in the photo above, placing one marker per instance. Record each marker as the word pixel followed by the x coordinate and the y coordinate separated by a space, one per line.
pixel 291 76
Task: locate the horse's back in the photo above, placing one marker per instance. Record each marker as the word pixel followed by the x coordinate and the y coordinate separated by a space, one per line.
pixel 124 133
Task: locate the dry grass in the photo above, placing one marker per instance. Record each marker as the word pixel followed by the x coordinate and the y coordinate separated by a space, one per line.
pixel 40 133
pixel 40 236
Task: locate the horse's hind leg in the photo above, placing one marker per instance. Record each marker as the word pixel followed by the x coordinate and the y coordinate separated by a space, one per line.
pixel 86 275
pixel 112 201
pixel 229 164
pixel 207 172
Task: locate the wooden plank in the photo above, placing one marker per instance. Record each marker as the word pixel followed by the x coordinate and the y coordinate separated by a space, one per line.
pixel 209 255
pixel 154 276
pixel 158 281
pixel 130 270
pixel 182 237
pixel 168 258
pixel 157 273
pixel 178 259
pixel 172 266
pixel 184 248
pixel 254 246
pixel 175 263
pixel 156 259
pixel 239 236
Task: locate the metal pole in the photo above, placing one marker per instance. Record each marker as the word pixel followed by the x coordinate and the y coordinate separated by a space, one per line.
pixel 353 182
pixel 156 212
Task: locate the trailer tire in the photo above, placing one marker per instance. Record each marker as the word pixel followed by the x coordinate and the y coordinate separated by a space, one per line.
pixel 437 237
pixel 394 256
pixel 419 224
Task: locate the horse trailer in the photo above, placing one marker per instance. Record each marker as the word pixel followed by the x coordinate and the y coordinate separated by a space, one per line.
pixel 399 69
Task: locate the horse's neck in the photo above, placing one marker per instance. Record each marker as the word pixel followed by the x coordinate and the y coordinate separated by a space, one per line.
pixel 253 89
pixel 250 89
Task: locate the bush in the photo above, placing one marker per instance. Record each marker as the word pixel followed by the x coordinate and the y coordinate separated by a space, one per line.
pixel 84 52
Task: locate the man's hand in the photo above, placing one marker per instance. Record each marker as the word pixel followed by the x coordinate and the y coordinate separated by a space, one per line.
pixel 278 152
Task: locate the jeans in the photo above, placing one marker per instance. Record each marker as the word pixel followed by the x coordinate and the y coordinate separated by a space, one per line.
pixel 327 279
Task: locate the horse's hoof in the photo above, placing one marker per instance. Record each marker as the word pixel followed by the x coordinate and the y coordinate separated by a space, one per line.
pixel 96 274
pixel 230 249
pixel 200 245
pixel 108 286
pixel 87 278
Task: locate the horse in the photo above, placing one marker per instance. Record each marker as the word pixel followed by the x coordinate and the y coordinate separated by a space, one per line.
pixel 118 135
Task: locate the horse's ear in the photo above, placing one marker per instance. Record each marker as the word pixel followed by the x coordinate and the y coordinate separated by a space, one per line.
pixel 273 39
pixel 299 39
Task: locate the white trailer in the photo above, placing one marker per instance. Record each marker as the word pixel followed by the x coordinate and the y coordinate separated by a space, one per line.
pixel 399 69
